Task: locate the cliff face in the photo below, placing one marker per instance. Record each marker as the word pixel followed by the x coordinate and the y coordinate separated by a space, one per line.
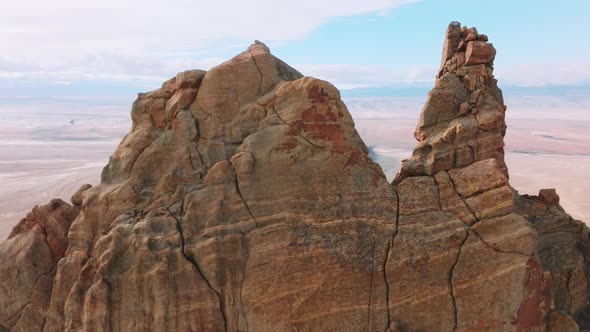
pixel 244 199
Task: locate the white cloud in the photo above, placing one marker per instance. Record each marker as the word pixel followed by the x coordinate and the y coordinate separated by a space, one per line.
pixel 350 76
pixel 526 75
pixel 149 40
pixel 544 73
pixel 131 39
pixel 105 67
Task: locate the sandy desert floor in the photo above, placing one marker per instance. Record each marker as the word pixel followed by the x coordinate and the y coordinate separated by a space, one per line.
pixel 48 152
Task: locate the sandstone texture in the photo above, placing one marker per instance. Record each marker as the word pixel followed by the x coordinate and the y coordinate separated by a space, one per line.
pixel 243 199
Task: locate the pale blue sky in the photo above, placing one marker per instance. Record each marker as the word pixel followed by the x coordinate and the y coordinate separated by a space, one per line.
pixel 412 34
pixel 73 49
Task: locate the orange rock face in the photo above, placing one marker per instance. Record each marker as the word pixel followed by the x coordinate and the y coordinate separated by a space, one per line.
pixel 479 52
pixel 243 199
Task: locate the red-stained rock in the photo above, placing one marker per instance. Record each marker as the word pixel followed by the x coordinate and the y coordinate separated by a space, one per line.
pixel 564 252
pixel 536 301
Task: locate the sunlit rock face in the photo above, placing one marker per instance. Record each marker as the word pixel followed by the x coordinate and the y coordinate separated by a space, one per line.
pixel 462 121
pixel 243 199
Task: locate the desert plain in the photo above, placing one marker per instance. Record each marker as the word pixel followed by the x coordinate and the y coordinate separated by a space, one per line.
pixel 49 148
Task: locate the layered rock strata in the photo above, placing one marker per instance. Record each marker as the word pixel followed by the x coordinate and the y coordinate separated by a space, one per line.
pixel 243 199
pixel 462 121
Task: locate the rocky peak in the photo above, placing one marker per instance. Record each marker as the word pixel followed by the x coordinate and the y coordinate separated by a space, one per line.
pixel 462 121
pixel 243 199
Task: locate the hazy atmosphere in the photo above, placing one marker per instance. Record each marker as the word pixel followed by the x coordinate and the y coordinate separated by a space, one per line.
pixel 67 82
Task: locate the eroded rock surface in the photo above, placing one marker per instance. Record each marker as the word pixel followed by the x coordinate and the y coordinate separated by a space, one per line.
pixel 28 264
pixel 462 121
pixel 564 251
pixel 243 199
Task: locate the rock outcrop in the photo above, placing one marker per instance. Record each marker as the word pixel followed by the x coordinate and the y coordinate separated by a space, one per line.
pixel 28 264
pixel 463 119
pixel 564 249
pixel 243 199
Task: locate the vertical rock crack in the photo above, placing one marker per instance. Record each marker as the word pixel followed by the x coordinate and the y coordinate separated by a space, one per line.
pixel 451 286
pixel 197 267
pixel 244 201
pixel 259 72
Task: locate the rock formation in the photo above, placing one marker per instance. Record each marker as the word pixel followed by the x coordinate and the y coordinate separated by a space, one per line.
pixel 243 199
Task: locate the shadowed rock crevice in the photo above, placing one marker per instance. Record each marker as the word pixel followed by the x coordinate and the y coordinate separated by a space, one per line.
pixel 196 266
pixel 259 71
pixel 387 289
pixel 389 249
pixel 370 300
pixel 451 286
pixel 244 201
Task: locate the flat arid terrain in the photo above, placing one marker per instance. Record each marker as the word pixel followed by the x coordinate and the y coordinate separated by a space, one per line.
pixel 49 150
